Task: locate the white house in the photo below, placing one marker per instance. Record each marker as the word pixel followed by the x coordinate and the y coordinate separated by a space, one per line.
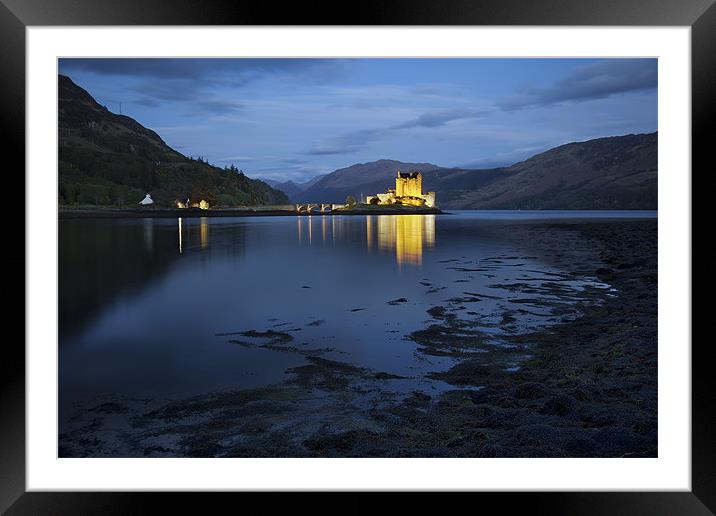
pixel 147 200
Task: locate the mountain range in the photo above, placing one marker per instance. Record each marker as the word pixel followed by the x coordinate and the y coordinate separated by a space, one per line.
pixel 618 172
pixel 109 159
pixel 291 188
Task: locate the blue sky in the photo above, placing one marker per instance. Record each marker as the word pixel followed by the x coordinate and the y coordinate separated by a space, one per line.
pixel 293 119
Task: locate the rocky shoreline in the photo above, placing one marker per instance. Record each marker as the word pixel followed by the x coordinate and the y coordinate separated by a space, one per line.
pixel 585 387
pixel 590 387
pixel 116 213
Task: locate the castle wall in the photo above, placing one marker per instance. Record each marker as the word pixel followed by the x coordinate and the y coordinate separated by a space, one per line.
pixel 429 199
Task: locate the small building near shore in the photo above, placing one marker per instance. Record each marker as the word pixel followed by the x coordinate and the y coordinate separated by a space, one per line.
pixel 408 191
pixel 202 204
pixel 147 200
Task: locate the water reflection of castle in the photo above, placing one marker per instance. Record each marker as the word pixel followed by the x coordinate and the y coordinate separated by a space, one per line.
pixel 404 234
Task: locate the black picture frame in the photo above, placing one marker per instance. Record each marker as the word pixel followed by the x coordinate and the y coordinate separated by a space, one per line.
pixel 17 15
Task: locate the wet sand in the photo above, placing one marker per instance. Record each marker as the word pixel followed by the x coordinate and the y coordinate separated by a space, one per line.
pixel 582 388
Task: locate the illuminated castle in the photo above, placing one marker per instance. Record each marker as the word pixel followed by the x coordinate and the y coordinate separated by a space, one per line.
pixel 408 190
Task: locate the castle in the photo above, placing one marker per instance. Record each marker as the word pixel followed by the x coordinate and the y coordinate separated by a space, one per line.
pixel 408 191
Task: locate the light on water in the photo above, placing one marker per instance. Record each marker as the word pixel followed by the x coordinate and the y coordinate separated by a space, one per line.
pixel 204 228
pixel 403 236
pixel 145 304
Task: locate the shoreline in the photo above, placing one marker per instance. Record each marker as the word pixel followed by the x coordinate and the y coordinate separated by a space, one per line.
pixel 111 213
pixel 116 213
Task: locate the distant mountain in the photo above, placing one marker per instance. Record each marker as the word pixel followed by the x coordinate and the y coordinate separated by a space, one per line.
pixel 110 159
pixel 307 184
pixel 617 172
pixel 291 188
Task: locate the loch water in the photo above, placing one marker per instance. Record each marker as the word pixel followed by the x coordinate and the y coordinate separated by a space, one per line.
pixel 157 307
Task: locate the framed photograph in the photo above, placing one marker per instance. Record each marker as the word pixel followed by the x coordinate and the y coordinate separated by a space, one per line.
pixel 427 248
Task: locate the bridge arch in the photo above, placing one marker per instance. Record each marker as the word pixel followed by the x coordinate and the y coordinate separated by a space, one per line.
pixel 307 208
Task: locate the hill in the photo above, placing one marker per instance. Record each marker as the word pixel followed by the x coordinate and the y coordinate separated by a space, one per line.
pixel 112 160
pixel 291 189
pixel 617 172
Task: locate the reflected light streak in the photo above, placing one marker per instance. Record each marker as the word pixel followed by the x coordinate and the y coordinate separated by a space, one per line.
pixel 369 231
pixel 180 235
pixel 204 232
pixel 406 235
pixel 429 230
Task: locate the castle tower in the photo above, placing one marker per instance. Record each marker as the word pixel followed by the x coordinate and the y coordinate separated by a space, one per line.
pixel 415 185
pixel 409 184
pixel 399 184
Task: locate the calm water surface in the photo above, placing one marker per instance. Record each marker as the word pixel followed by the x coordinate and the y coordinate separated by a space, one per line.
pixel 145 304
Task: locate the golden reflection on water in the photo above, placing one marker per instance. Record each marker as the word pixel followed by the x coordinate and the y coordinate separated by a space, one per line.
pixel 186 234
pixel 204 232
pixel 369 231
pixel 405 234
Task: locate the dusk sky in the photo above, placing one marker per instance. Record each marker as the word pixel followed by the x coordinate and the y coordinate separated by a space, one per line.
pixel 293 119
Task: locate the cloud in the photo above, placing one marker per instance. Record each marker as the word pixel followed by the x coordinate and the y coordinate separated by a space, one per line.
pixel 441 117
pixel 292 173
pixel 352 142
pixel 177 90
pixel 214 69
pixel 427 89
pixel 194 97
pixel 348 143
pixel 594 81
pixel 236 158
pixel 329 149
pixel 198 83
pixel 505 159
pixel 146 102
pixel 217 106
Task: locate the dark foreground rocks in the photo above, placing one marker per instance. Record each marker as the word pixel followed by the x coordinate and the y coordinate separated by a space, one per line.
pixel 590 388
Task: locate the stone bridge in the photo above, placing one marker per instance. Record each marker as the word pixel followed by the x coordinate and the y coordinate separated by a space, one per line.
pixel 317 207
